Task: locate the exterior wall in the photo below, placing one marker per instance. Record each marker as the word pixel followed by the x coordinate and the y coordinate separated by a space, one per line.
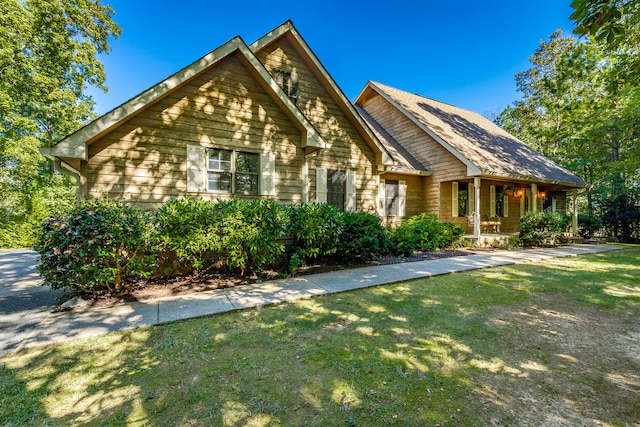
pixel 348 148
pixel 443 165
pixel 144 160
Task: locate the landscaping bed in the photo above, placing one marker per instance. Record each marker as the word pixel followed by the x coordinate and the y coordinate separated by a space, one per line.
pixel 149 289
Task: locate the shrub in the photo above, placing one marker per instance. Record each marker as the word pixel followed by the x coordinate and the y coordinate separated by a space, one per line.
pixel 424 232
pixel 402 240
pixel 315 229
pixel 188 228
pixel 588 224
pixel 235 233
pixel 250 233
pixel 362 237
pixel 542 228
pixel 98 244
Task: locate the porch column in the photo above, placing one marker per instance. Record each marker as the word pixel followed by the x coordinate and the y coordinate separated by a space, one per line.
pixel 534 197
pixel 574 220
pixel 476 208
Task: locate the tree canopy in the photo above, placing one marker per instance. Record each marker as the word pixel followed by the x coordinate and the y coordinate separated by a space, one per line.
pixel 580 106
pixel 606 20
pixel 48 57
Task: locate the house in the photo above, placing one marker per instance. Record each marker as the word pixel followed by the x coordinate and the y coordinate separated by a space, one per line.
pixel 245 121
pixel 458 165
pixel 266 120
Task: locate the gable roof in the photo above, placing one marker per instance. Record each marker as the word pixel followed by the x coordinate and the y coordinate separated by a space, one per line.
pixel 369 136
pixel 74 146
pixel 484 147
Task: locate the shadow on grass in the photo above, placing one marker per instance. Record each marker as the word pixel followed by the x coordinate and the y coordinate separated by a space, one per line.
pixel 506 346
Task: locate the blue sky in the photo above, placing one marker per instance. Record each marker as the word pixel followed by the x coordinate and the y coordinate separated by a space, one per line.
pixel 462 52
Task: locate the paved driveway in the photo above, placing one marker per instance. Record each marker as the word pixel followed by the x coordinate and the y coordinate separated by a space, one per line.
pixel 24 302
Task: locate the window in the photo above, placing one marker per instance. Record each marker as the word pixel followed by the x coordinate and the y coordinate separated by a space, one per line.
pixel 463 199
pixel 335 188
pixel 499 203
pixel 288 81
pixel 233 172
pixel 391 194
pixel 549 202
pixel 392 197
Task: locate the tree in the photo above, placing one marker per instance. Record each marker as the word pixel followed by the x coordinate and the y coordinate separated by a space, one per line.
pixel 580 107
pixel 606 20
pixel 48 57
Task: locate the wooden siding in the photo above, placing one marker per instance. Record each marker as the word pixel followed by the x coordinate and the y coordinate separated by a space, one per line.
pixel 443 165
pixel 319 105
pixel 144 160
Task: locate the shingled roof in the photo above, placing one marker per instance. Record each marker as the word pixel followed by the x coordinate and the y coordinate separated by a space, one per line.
pixel 483 146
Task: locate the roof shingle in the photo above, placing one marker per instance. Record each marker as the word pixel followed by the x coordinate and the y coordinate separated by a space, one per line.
pixel 484 144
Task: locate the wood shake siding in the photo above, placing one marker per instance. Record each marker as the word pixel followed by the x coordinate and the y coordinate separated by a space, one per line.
pixel 443 165
pixel 144 159
pixel 316 101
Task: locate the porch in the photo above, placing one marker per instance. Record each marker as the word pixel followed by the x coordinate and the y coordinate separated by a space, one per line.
pixel 493 207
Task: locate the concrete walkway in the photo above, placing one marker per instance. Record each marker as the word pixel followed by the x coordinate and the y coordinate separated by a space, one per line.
pixel 28 326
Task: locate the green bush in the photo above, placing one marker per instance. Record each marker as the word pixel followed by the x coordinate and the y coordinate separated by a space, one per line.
pixel 250 233
pixel 423 232
pixel 97 245
pixel 18 235
pixel 315 229
pixel 237 234
pixel 363 237
pixel 542 228
pixel 588 224
pixel 188 229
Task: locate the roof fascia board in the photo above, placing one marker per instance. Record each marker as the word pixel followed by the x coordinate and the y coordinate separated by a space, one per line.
pixel 406 171
pixel 487 175
pixel 270 37
pixel 472 170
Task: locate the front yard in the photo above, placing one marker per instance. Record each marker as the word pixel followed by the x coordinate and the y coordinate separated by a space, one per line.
pixel 552 343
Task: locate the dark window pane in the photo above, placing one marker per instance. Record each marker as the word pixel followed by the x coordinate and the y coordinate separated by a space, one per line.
pixel 247 162
pixel 246 183
pixel 391 194
pixel 335 188
pixel 219 181
pixel 499 200
pixel 463 198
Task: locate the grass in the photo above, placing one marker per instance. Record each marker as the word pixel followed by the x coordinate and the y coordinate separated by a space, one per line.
pixel 550 343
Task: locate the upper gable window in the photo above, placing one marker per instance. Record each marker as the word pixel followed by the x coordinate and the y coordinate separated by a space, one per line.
pixel 288 81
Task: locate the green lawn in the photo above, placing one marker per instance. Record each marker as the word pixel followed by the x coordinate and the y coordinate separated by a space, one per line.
pixel 549 343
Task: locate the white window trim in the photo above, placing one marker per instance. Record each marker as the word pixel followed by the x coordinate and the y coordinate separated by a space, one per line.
pixel 198 167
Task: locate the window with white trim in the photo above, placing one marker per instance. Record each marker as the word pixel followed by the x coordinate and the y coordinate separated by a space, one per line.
pixel 337 188
pixel 233 172
pixel 392 197
pixel 462 199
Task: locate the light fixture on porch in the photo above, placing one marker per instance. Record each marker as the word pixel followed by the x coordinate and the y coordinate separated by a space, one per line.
pixel 541 194
pixel 513 191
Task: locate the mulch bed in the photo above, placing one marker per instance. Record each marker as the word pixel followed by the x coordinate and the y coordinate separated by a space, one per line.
pixel 165 287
